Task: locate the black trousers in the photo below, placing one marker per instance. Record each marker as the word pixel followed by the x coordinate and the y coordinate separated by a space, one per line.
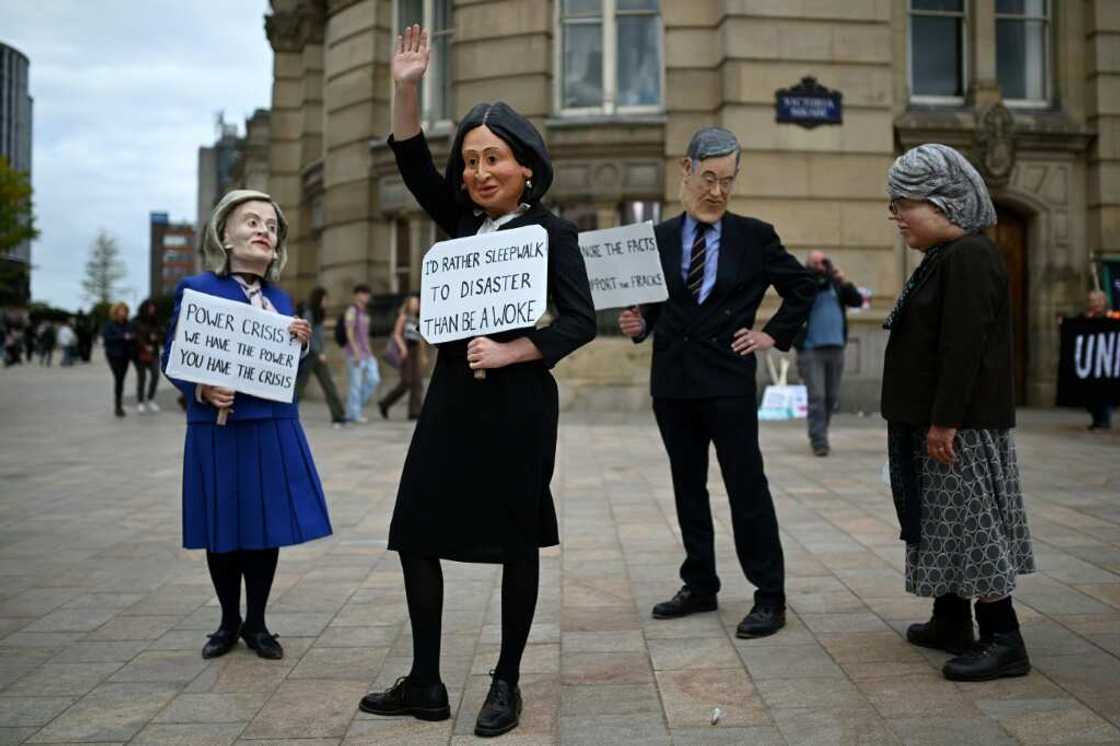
pixel 119 366
pixel 688 427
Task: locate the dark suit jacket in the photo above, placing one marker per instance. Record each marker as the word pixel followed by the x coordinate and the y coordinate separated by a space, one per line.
pixel 847 296
pixel 245 406
pixel 692 355
pixel 949 357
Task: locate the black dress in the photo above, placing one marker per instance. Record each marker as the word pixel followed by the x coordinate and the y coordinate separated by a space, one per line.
pixel 475 486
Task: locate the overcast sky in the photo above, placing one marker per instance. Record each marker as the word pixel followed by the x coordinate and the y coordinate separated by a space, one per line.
pixel 125 92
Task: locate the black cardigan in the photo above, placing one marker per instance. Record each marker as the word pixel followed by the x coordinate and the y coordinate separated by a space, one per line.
pixel 949 357
pixel 569 291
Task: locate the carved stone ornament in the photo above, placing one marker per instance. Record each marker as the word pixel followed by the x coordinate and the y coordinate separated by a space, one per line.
pixel 995 144
pixel 290 31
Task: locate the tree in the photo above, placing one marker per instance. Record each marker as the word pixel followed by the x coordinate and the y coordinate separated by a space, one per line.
pixel 104 270
pixel 17 220
pixel 17 225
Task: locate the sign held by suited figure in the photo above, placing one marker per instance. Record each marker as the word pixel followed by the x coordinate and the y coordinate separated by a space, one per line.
pixel 220 342
pixel 623 266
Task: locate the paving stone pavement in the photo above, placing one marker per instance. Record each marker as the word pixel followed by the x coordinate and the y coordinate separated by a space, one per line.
pixel 102 615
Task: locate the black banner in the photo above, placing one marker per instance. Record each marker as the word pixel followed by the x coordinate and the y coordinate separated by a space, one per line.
pixel 1089 365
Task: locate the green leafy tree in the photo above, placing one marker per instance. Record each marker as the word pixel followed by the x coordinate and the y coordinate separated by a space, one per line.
pixel 17 224
pixel 104 270
pixel 17 220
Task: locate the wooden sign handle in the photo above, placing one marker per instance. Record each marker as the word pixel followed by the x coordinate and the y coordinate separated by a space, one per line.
pixel 480 374
pixel 223 413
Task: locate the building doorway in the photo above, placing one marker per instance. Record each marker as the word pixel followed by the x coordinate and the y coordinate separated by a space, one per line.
pixel 1010 236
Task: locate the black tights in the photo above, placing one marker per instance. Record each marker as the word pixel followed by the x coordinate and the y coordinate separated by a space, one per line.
pixel 258 566
pixel 423 587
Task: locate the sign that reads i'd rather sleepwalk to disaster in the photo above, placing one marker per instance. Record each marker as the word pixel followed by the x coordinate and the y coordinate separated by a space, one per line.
pixel 623 266
pixel 221 342
pixel 479 285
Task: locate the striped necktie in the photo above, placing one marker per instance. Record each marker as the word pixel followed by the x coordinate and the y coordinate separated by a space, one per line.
pixel 695 280
pixel 254 294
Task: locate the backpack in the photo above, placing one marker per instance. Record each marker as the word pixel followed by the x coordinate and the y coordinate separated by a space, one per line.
pixel 340 328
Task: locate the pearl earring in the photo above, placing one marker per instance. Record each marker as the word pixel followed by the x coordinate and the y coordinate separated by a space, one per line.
pixel 528 183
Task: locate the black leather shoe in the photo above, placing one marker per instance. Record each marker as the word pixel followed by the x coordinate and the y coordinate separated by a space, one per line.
pixel 220 643
pixel 264 643
pixel 761 622
pixel 684 603
pixel 501 712
pixel 427 702
pixel 1003 655
pixel 942 633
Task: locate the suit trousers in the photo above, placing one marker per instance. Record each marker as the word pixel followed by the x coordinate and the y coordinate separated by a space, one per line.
pixel 688 427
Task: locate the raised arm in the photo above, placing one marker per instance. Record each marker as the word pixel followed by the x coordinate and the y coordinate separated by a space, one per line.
pixel 408 65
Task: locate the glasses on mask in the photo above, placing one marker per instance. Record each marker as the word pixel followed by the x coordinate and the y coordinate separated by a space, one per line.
pixel 725 184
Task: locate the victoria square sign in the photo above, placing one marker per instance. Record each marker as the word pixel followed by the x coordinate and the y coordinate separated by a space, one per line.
pixel 809 104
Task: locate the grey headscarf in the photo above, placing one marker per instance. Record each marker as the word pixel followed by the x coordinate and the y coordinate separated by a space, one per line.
pixel 214 255
pixel 943 176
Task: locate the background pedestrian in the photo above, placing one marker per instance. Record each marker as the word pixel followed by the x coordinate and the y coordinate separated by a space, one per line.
pixel 119 341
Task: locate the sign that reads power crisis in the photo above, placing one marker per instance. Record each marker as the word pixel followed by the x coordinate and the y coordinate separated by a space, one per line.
pixel 623 266
pixel 221 342
pixel 479 285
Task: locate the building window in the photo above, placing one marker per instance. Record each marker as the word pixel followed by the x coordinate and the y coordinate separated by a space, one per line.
pixel 435 89
pixel 937 51
pixel 639 212
pixel 1023 51
pixel 609 56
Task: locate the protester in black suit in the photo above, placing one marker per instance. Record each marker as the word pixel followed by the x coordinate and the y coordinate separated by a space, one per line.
pixel 475 485
pixel 718 266
pixel 949 403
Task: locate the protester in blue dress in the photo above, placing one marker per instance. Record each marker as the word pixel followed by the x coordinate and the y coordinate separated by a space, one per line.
pixel 249 486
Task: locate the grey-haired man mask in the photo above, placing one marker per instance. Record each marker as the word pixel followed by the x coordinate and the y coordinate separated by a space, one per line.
pixel 718 266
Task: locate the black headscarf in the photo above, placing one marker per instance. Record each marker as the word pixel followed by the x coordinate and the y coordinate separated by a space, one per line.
pixel 516 131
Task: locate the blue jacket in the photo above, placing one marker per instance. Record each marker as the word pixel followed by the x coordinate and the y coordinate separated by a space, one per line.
pixel 245 406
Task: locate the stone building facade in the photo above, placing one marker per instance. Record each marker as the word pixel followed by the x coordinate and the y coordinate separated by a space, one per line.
pixel 1030 89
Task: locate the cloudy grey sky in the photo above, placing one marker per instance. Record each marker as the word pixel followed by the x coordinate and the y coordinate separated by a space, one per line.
pixel 125 92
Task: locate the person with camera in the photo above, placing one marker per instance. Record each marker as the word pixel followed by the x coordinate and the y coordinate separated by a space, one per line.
pixel 820 345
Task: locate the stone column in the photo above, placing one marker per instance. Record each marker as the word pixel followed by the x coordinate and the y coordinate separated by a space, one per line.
pixel 284 34
pixel 355 245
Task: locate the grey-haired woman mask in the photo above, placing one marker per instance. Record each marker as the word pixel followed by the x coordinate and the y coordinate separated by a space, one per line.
pixel 948 398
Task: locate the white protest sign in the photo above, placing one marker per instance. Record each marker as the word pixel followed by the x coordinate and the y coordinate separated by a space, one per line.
pixel 479 285
pixel 222 342
pixel 623 266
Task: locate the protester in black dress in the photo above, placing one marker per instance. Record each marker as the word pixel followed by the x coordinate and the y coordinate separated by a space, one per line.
pixel 475 486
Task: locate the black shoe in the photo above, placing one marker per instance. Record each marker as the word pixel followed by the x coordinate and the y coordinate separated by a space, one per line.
pixel 427 702
pixel 820 450
pixel 264 643
pixel 684 603
pixel 220 643
pixel 761 622
pixel 384 410
pixel 501 712
pixel 1003 655
pixel 942 633
pixel 119 412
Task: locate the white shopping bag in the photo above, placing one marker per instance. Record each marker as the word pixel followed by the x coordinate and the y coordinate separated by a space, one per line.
pixel 781 401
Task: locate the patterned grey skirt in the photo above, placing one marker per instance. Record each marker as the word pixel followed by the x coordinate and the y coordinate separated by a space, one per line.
pixel 973 539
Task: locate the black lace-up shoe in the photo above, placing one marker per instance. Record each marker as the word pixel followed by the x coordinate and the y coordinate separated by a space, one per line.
pixel 761 622
pixel 424 702
pixel 501 712
pixel 684 603
pixel 943 633
pixel 264 642
pixel 1003 655
pixel 220 643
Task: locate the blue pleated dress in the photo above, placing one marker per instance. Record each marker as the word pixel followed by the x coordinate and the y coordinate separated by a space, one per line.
pixel 251 484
